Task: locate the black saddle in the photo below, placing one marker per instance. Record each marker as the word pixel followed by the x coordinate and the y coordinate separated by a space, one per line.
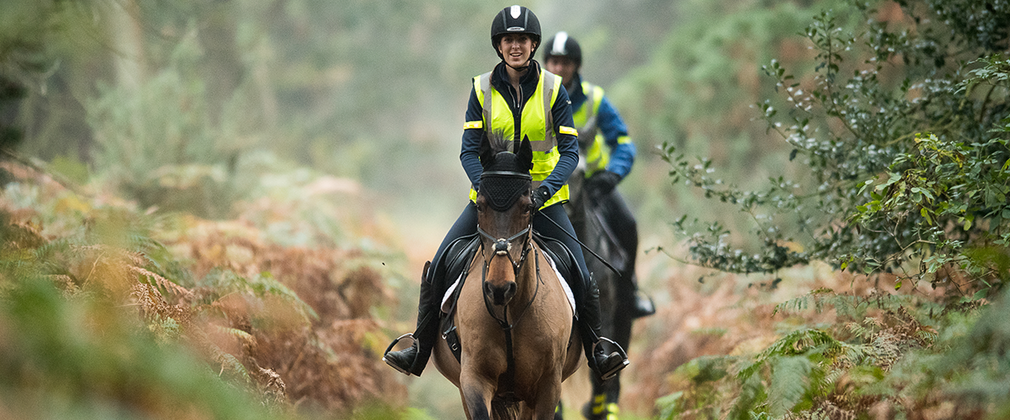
pixel 562 256
pixel 454 261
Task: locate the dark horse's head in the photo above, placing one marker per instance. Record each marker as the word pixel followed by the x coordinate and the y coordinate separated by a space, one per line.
pixel 504 214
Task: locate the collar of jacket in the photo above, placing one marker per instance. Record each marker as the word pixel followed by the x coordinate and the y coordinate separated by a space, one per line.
pixel 529 81
pixel 575 94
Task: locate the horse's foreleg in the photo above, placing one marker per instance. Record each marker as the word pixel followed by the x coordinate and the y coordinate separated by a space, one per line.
pixel 476 395
pixel 546 402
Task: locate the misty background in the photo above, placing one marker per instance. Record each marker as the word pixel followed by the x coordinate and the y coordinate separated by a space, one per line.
pixel 371 91
pixel 193 106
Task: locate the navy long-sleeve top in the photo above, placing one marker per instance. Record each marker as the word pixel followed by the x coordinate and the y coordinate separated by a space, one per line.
pixel 561 110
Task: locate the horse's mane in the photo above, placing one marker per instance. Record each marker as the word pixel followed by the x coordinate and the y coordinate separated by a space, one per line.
pixel 497 142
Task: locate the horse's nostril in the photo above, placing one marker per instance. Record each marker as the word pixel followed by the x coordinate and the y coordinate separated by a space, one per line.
pixel 510 290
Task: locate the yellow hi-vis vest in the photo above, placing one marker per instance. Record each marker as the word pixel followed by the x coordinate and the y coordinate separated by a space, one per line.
pixel 592 148
pixel 537 125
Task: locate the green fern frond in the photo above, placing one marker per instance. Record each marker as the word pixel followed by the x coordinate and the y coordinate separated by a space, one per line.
pixel 752 393
pixel 796 304
pixel 229 363
pixel 157 280
pixel 225 282
pixel 795 343
pixel 237 333
pixel 790 380
pixel 668 406
pixel 798 342
pixel 860 331
pixel 819 299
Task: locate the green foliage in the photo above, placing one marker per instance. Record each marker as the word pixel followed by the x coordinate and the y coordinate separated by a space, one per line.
pixel 158 142
pixel 899 137
pixel 867 130
pixel 256 288
pixel 837 370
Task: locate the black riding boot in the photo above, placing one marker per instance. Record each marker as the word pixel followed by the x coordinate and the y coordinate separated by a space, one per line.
pixel 641 305
pixel 412 360
pixel 605 364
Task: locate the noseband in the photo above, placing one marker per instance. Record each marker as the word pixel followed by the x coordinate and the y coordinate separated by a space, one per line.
pixel 502 246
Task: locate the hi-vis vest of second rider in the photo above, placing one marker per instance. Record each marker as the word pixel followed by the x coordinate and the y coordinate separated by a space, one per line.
pixel 592 144
pixel 537 125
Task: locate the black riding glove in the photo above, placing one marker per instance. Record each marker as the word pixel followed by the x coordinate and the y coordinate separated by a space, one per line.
pixel 540 196
pixel 602 183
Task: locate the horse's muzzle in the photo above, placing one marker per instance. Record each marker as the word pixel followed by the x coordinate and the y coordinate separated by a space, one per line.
pixel 500 295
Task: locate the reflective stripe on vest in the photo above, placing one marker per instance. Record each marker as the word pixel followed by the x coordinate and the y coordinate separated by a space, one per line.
pixel 591 142
pixel 537 124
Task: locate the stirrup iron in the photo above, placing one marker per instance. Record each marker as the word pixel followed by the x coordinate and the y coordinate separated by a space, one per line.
pixel 620 351
pixel 390 347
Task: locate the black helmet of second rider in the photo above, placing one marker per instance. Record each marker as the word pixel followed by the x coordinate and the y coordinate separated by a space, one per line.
pixel 562 45
pixel 563 57
pixel 515 20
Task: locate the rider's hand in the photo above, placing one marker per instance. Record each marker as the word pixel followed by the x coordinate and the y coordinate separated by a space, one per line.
pixel 602 183
pixel 540 196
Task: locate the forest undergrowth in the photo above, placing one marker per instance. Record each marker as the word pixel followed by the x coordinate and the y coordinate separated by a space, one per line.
pixel 109 311
pixel 898 128
pixel 813 343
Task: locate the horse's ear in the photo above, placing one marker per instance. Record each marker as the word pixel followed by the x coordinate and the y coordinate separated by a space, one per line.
pixel 486 154
pixel 525 154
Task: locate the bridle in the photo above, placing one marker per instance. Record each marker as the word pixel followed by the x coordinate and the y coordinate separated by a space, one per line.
pixel 502 246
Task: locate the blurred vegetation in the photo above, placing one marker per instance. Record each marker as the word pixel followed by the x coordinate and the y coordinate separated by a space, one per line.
pixel 194 197
pixel 109 312
pixel 896 170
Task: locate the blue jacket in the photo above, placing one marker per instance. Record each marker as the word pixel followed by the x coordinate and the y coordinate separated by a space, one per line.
pixel 610 124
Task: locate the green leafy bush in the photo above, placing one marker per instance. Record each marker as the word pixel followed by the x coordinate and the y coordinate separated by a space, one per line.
pixel 901 130
pixel 900 152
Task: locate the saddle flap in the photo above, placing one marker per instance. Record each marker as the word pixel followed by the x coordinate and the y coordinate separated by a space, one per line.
pixel 563 258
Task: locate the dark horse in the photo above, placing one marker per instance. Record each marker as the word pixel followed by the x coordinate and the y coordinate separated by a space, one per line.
pixel 588 219
pixel 513 319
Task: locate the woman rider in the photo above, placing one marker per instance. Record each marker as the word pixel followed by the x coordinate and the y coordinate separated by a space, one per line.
pixel 517 87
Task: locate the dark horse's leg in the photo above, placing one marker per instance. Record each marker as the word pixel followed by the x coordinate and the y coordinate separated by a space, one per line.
pixel 476 397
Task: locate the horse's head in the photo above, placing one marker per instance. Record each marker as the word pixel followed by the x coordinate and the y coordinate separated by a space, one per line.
pixel 504 215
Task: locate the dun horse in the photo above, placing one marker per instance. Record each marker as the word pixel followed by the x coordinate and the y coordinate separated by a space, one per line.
pixel 513 319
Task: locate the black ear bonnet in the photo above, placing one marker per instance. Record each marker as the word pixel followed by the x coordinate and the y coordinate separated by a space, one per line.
pixel 504 181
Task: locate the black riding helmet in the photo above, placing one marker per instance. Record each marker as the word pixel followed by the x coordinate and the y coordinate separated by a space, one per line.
pixel 562 45
pixel 515 20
